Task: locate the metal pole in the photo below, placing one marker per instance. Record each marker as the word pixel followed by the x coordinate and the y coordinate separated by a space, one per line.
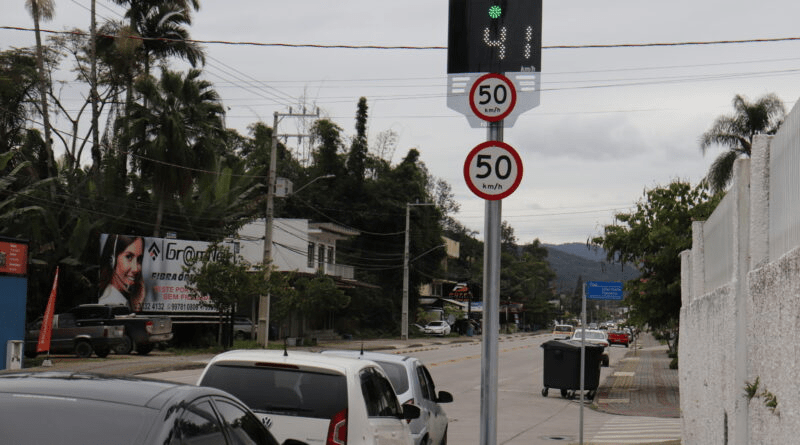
pixel 491 309
pixel 404 317
pixel 583 356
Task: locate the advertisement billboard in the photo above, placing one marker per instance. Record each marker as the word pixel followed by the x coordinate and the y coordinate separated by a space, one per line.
pixel 147 274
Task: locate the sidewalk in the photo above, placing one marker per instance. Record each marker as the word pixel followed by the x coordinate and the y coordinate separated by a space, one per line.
pixel 642 383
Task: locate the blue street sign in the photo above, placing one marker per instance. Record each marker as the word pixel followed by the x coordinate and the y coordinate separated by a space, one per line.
pixel 604 290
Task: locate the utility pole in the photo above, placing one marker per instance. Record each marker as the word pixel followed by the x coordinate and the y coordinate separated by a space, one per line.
pixel 264 300
pixel 404 318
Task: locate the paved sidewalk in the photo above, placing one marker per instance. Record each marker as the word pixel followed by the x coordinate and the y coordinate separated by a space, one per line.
pixel 642 383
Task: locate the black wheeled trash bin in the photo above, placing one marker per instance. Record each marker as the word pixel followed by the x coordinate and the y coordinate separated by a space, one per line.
pixel 562 367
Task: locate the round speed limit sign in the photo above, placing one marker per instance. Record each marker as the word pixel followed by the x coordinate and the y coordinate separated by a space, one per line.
pixel 492 97
pixel 493 170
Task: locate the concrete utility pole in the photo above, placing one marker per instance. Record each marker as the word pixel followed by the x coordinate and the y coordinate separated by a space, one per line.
pixel 263 301
pixel 404 318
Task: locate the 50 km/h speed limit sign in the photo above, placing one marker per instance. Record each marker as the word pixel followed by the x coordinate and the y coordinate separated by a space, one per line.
pixel 493 170
pixel 492 97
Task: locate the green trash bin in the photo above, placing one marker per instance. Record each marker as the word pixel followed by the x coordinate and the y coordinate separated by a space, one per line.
pixel 562 367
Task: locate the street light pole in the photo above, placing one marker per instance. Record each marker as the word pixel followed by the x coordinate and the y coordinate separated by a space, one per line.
pixel 404 318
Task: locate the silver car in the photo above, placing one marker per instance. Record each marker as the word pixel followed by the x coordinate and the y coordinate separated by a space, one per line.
pixel 414 386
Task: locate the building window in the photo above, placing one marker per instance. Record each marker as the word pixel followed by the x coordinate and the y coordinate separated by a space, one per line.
pixel 310 255
pixel 321 256
pixel 330 255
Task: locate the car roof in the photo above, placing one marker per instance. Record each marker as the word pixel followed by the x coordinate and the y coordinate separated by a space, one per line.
pixel 134 391
pixel 311 361
pixel 369 355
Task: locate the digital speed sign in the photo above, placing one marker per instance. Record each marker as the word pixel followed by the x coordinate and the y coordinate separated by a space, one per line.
pixel 494 36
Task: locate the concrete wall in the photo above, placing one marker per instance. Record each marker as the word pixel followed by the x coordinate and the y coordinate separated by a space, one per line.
pixel 745 327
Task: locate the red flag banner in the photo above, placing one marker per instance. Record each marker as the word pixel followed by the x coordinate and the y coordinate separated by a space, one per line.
pixel 47 321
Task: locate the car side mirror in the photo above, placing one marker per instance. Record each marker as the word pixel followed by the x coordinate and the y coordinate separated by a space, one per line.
pixel 410 412
pixel 444 397
pixel 294 442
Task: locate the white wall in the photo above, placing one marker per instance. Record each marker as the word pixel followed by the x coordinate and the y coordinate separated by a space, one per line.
pixel 741 321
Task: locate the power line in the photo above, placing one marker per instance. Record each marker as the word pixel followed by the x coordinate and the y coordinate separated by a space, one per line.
pixel 415 47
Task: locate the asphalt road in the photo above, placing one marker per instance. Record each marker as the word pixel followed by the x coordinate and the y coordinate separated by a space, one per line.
pixel 524 416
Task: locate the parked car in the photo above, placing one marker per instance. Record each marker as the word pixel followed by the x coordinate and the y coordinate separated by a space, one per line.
pixel 619 337
pixel 562 331
pixel 243 328
pixel 73 408
pixel 316 398
pixel 413 385
pixel 596 337
pixel 68 336
pixel 437 328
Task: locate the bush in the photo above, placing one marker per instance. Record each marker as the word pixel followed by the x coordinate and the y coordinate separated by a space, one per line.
pixel 674 363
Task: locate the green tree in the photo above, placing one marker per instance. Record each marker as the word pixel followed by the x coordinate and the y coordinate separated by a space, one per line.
pixel 736 132
pixel 356 160
pixel 652 238
pixel 181 126
pixel 43 10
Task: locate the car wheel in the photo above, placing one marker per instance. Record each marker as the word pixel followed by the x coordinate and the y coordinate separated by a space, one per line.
pixel 444 438
pixel 31 353
pixel 544 392
pixel 144 348
pixel 102 352
pixel 240 335
pixel 83 349
pixel 126 346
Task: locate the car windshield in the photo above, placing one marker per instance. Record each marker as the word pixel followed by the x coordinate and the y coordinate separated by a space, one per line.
pixel 281 391
pixel 563 328
pixel 32 419
pixel 435 323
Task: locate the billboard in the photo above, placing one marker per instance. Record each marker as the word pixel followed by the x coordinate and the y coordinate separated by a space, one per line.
pixel 147 274
pixel 13 258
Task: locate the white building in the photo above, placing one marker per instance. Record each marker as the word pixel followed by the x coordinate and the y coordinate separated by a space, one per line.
pixel 297 246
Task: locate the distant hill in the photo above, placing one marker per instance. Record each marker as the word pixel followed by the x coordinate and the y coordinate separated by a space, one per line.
pixel 573 260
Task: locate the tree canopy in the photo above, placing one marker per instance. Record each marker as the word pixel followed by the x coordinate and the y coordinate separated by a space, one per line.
pixel 652 238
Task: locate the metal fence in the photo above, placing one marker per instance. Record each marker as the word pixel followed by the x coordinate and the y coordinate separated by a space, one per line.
pixel 784 187
pixel 718 244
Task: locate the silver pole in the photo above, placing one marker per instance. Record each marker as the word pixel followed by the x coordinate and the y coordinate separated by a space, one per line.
pixel 491 309
pixel 404 317
pixel 583 356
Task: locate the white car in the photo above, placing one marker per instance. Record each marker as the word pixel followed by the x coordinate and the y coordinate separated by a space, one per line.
pixel 414 385
pixel 596 337
pixel 319 399
pixel 437 328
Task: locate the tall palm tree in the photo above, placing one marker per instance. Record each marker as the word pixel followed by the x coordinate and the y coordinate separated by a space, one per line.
pixel 736 133
pixel 177 134
pixel 43 10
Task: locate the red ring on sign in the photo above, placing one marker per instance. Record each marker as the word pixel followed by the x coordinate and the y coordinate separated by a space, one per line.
pixel 475 152
pixel 503 79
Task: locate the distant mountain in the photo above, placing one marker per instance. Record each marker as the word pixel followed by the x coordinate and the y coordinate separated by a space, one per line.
pixel 570 261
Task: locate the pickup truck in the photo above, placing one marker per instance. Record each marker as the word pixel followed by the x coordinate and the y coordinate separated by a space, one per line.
pixel 69 336
pixel 143 332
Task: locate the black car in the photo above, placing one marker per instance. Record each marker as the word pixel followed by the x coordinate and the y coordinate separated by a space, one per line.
pixel 84 409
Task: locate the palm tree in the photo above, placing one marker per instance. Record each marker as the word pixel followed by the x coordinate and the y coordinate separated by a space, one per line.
pixel 736 133
pixel 42 10
pixel 177 134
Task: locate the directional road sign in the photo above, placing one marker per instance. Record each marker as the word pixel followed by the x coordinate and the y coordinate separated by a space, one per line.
pixel 604 290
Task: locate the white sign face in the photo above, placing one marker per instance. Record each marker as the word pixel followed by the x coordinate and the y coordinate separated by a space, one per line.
pixel 492 97
pixel 493 170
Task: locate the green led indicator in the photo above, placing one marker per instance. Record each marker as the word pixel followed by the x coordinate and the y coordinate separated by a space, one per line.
pixel 495 11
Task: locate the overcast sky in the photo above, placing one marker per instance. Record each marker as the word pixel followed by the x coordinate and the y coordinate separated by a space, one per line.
pixel 611 122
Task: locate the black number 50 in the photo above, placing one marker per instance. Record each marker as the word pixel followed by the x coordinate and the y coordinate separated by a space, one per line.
pixel 500 94
pixel 502 166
